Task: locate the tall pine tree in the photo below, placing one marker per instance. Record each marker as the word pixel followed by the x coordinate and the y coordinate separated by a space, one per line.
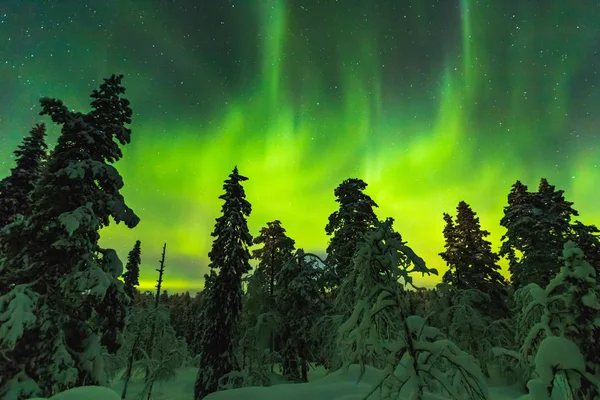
pixel 16 188
pixel 132 273
pixel 347 227
pixel 469 256
pixel 221 315
pixel 66 302
pixel 538 225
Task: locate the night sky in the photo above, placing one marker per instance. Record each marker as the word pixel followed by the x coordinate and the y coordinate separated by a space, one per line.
pixel 430 102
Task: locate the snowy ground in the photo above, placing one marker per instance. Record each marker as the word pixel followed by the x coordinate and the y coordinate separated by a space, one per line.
pixel 336 386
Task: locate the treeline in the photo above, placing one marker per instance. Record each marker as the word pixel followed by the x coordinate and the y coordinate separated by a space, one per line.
pixel 67 320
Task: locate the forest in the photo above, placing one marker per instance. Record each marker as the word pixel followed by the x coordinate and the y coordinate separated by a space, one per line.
pixel 72 315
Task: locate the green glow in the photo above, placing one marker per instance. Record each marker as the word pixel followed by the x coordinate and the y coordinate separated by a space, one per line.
pixel 465 131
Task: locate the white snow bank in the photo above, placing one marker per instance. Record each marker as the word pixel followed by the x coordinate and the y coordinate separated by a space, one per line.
pixel 85 393
pixel 339 385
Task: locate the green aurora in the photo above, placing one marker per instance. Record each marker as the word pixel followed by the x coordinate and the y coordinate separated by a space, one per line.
pixel 429 102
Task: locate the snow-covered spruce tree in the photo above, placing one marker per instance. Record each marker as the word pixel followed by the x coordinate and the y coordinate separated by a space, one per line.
pixel 221 314
pixel 299 302
pixel 538 225
pixel 381 260
pixel 416 357
pixel 472 263
pixel 346 228
pixel 277 249
pixel 66 290
pixel 160 362
pixel 16 188
pixel 587 238
pixel 465 322
pixel 569 306
pixel 132 273
pixel 196 316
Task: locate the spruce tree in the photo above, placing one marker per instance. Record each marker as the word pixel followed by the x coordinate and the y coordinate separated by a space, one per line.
pixel 221 315
pixel 132 274
pixel 469 256
pixel 347 227
pixel 299 303
pixel 66 300
pixel 276 251
pixel 16 188
pixel 587 238
pixel 538 225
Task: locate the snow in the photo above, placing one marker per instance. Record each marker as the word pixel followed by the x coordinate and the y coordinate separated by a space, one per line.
pixel 85 393
pixel 339 385
pixel 16 314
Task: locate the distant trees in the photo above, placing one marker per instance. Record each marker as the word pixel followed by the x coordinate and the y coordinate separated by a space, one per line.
pixel 221 314
pixel 346 227
pixel 16 188
pixel 65 304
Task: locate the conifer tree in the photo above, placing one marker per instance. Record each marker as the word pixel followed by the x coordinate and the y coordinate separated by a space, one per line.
pixel 276 251
pixel 383 263
pixel 16 188
pixel 65 297
pixel 197 314
pixel 299 303
pixel 469 256
pixel 347 227
pixel 538 224
pixel 131 276
pixel 587 238
pixel 222 311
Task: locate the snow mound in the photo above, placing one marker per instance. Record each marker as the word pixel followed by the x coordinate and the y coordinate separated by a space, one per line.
pixel 340 385
pixel 85 393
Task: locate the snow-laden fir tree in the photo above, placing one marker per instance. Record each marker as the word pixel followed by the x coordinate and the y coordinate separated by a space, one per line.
pixel 67 303
pixel 132 273
pixel 16 188
pixel 299 302
pixel 195 322
pixel 346 227
pixel 587 238
pixel 472 263
pixel 383 263
pixel 414 357
pixel 277 249
pixel 538 224
pixel 221 315
pixel 569 306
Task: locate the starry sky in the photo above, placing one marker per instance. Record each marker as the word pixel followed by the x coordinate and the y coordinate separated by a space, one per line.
pixel 430 102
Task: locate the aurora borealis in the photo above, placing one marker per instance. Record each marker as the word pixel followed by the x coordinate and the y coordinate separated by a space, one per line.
pixel 430 102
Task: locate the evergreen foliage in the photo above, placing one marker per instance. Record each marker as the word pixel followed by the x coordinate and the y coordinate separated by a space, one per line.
pixel 16 188
pixel 346 227
pixel 538 224
pixel 299 304
pixel 52 259
pixel 132 273
pixel 277 249
pixel 569 307
pixel 471 261
pixel 222 311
